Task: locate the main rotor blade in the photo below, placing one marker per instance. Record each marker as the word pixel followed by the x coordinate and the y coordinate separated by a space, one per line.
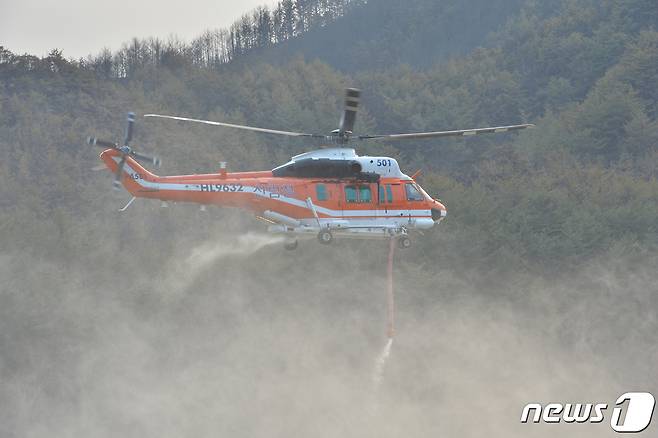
pixel 129 129
pixel 458 133
pixel 349 114
pixel 230 125
pixel 102 143
pixel 117 177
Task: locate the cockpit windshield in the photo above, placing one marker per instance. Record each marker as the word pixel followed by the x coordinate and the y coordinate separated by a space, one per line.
pixel 428 197
pixel 413 193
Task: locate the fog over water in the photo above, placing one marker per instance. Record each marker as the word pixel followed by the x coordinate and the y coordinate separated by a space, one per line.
pixel 233 336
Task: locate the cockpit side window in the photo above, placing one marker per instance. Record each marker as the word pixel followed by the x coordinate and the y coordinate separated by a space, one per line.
pixel 413 194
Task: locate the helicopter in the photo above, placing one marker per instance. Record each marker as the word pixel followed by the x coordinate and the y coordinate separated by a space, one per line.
pixel 327 193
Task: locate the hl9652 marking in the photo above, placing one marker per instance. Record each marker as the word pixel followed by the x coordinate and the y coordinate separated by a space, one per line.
pixel 221 187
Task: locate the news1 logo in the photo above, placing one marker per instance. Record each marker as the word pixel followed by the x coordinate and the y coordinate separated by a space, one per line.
pixel 631 417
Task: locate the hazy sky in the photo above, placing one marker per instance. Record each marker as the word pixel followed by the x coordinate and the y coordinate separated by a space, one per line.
pixel 81 27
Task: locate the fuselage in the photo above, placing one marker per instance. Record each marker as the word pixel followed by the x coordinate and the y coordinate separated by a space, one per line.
pixel 390 204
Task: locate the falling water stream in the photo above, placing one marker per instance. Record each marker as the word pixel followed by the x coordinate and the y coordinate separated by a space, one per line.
pixel 382 358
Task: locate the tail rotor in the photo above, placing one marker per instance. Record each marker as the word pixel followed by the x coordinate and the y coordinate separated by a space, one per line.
pixel 125 150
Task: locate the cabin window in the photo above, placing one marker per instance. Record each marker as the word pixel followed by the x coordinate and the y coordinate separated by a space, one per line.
pixel 350 194
pixel 385 194
pixel 321 192
pixel 413 194
pixel 358 194
pixel 364 194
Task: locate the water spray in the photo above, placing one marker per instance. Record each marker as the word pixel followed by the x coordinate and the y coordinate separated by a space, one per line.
pixel 183 273
pixel 390 331
pixel 391 297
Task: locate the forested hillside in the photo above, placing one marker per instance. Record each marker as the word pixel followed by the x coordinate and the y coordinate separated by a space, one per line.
pixel 349 35
pixel 584 72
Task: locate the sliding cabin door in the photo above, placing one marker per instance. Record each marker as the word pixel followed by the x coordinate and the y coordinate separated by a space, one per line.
pixel 360 203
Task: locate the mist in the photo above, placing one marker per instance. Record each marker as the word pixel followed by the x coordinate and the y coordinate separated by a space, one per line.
pixel 231 335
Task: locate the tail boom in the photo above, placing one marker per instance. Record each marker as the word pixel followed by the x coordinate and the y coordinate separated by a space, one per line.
pixel 209 189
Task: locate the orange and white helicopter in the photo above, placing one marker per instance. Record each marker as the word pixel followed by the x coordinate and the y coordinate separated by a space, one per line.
pixel 331 192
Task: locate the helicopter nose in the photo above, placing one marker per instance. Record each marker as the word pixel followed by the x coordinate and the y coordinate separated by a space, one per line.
pixel 438 212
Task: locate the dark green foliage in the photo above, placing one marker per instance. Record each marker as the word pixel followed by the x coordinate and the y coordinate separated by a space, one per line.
pixel 384 33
